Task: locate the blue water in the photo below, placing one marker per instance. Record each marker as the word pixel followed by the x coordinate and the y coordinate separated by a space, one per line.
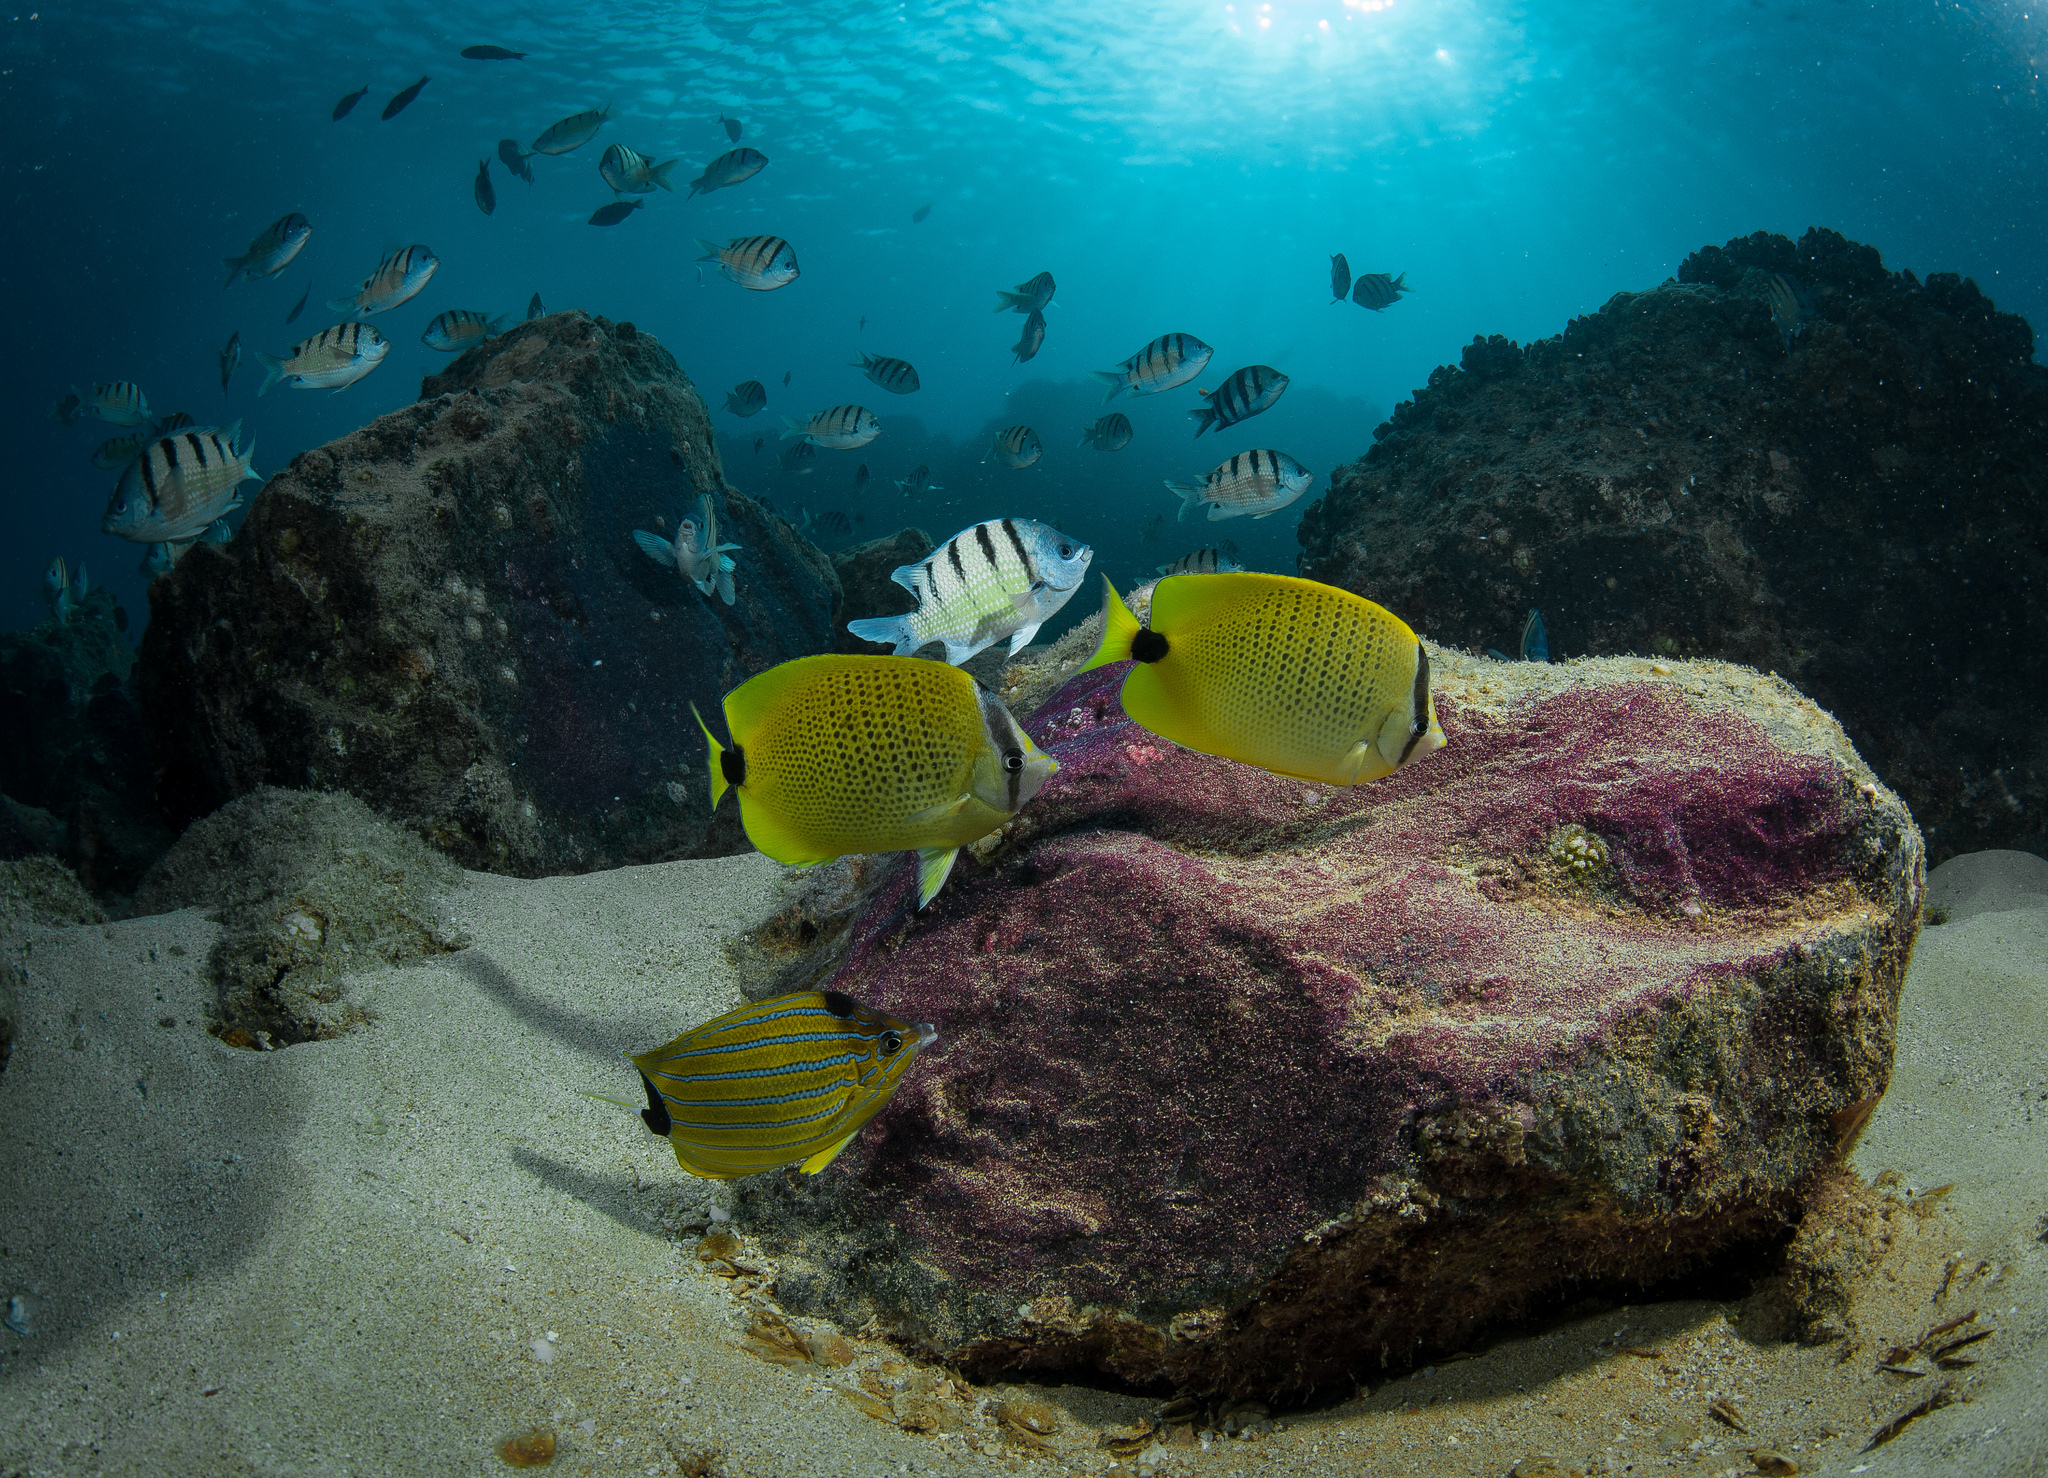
pixel 1178 166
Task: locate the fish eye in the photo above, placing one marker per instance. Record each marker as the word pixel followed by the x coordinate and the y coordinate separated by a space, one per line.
pixel 891 1044
pixel 1013 760
pixel 1066 551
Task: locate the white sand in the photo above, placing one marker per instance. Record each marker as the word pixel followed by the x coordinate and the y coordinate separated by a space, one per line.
pixel 354 1245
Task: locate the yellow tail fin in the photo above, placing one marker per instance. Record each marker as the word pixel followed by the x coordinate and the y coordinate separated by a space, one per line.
pixel 1118 627
pixel 718 785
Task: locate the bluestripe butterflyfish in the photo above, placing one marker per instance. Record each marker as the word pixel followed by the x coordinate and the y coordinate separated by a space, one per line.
pixel 1291 675
pixel 786 1081
pixel 834 755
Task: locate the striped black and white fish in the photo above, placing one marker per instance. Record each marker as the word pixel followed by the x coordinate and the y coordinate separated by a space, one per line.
pixel 1110 433
pixel 459 328
pixel 841 428
pixel 1015 447
pixel 1169 360
pixel 1340 277
pixel 735 167
pixel 746 398
pixel 117 402
pixel 918 483
pixel 270 253
pixel 786 1081
pixel 333 359
pixel 1255 483
pixel 797 457
pixel 759 263
pixel 1251 390
pixel 1376 290
pixel 572 132
pixel 1005 577
pixel 831 522
pixel 1031 340
pixel 630 172
pixel 1030 297
pixel 1202 562
pixel 180 484
pixel 117 452
pixel 397 278
pixel 897 376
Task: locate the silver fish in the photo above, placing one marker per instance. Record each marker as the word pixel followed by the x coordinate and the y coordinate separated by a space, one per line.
pixel 397 278
pixel 734 167
pixel 631 173
pixel 1015 447
pixel 1377 291
pixel 459 328
pixel 1258 483
pixel 572 132
pixel 534 309
pixel 1201 562
pixel 796 457
pixel 695 553
pixel 335 358
pixel 759 263
pixel 270 253
pixel 1169 360
pixel 746 398
pixel 117 402
pixel 179 485
pixel 1340 277
pixel 919 482
pixel 175 421
pixel 897 376
pixel 1005 577
pixel 230 356
pixel 514 159
pixel 486 193
pixel 1251 390
pixel 117 452
pixel 841 428
pixel 1031 340
pixel 1110 433
pixel 1029 297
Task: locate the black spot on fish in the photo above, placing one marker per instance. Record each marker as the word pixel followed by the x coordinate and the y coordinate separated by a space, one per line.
pixel 732 764
pixel 840 1005
pixel 1148 645
pixel 656 1113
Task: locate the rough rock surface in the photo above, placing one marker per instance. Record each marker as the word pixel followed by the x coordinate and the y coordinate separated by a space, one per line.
pixel 444 614
pixel 74 765
pixel 1860 509
pixel 864 571
pixel 308 888
pixel 1253 1086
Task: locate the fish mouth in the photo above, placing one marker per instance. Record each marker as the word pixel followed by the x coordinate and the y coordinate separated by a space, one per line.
pixel 926 1034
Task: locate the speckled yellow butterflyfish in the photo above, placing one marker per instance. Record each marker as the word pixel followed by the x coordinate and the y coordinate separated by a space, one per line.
pixel 1291 675
pixel 786 1081
pixel 834 755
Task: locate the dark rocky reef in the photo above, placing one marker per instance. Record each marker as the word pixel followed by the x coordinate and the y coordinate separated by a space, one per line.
pixel 1250 1086
pixel 75 778
pixel 444 614
pixel 864 572
pixel 1858 506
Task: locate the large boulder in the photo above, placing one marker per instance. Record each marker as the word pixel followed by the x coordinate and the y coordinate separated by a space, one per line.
pixel 444 614
pixel 1855 505
pixel 1260 1087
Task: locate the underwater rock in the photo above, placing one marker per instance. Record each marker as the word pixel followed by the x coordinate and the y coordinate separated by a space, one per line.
pixel 864 572
pixel 35 892
pixel 1256 1086
pixel 1850 497
pixel 445 614
pixel 74 763
pixel 309 888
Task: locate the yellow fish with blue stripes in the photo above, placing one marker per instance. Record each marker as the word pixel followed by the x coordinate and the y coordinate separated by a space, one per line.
pixel 834 755
pixel 787 1081
pixel 1291 675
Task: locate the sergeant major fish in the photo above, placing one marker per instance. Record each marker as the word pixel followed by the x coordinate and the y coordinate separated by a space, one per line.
pixel 397 279
pixel 1201 562
pixel 1015 447
pixel 629 172
pixel 335 358
pixel 1258 483
pixel 572 132
pixel 897 376
pixel 271 252
pixel 758 263
pixel 1030 297
pixel 1030 341
pixel 1378 291
pixel 1340 277
pixel 459 328
pixel 841 428
pixel 937 762
pixel 117 452
pixel 1251 390
pixel 1169 360
pixel 1110 433
pixel 695 552
pixel 117 402
pixel 735 167
pixel 918 482
pixel 180 484
pixel 1005 577
pixel 746 398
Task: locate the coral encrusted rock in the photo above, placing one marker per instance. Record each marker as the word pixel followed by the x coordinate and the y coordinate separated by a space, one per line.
pixel 1256 1086
pixel 1853 497
pixel 445 614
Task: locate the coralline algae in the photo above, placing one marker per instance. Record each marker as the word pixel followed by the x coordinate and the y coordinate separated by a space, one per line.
pixel 1260 1087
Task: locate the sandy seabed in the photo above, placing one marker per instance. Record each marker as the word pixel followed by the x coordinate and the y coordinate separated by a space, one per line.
pixel 388 1253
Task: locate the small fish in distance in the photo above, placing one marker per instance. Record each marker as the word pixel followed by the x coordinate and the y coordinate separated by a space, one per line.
pixel 1259 483
pixel 1015 447
pixel 492 54
pixel 1110 433
pixel 1030 341
pixel 175 421
pixel 785 379
pixel 759 442
pixel 534 309
pixel 1200 562
pixel 1029 297
pixel 1535 640
pixel 180 484
pixel 458 329
pixel 732 168
pixel 1295 677
pixel 1378 291
pixel 271 252
pixel 514 159
pixel 572 132
pixel 798 457
pixel 348 104
pixel 401 101
pixel 918 483
pixel 695 553
pixel 300 306
pixel 117 452
pixel 917 216
pixel 795 1079
pixel 1246 393
pixel 158 558
pixel 759 263
pixel 1786 297
pixel 1340 277
pixel 486 192
pixel 230 356
pixel 631 173
pixel 397 279
pixel 117 402
pixel 57 590
pixel 746 398
pixel 732 128
pixel 1004 577
pixel 335 358
pixel 618 210
pixel 1169 360
pixel 897 376
pixel 860 479
pixel 840 428
pixel 938 762
pixel 66 409
pixel 831 521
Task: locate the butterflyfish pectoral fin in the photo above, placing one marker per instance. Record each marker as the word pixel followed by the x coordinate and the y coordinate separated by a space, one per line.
pixel 934 815
pixel 825 1156
pixel 1119 629
pixel 934 866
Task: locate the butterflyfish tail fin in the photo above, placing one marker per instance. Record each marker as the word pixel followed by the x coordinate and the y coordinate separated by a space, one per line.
pixel 714 761
pixel 1119 629
pixel 934 866
pixel 826 1156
